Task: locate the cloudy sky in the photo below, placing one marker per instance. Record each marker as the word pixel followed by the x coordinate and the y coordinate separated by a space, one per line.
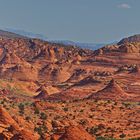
pixel 94 21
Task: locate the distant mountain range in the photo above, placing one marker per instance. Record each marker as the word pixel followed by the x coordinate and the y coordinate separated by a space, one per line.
pixel 23 34
pixel 92 46
pixel 9 34
pixel 26 34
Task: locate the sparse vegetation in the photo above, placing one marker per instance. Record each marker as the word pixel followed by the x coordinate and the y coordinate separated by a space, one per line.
pixel 85 89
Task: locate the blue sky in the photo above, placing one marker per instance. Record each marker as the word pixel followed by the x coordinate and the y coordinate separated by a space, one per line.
pixel 94 21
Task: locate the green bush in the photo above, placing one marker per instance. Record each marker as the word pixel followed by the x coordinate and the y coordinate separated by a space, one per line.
pixel 21 108
pixel 43 116
pixel 36 111
pixel 122 135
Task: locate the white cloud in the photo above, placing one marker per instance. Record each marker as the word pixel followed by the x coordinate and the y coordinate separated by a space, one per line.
pixel 124 6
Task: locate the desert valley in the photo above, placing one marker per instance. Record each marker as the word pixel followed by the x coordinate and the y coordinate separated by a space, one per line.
pixel 52 91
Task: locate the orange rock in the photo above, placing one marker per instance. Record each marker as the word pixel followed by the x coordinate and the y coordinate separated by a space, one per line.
pixel 76 133
pixel 12 129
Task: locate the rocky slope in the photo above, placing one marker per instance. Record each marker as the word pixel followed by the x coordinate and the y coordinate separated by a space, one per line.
pixel 126 45
pixel 135 38
pixel 9 129
pixel 32 59
pixel 75 133
pixel 112 92
pixel 52 88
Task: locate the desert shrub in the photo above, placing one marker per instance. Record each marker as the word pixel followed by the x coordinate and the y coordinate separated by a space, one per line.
pixel 36 110
pixel 108 102
pixel 27 103
pixel 33 104
pixel 27 118
pixel 83 122
pixel 2 102
pixel 21 108
pixel 65 109
pixel 82 110
pixel 126 104
pixel 57 117
pixel 115 103
pixel 74 117
pixel 12 105
pixel 122 135
pixel 93 130
pixel 101 138
pixel 139 103
pixel 39 130
pixel 43 116
pixel 53 123
pixel 91 116
pixel 44 128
